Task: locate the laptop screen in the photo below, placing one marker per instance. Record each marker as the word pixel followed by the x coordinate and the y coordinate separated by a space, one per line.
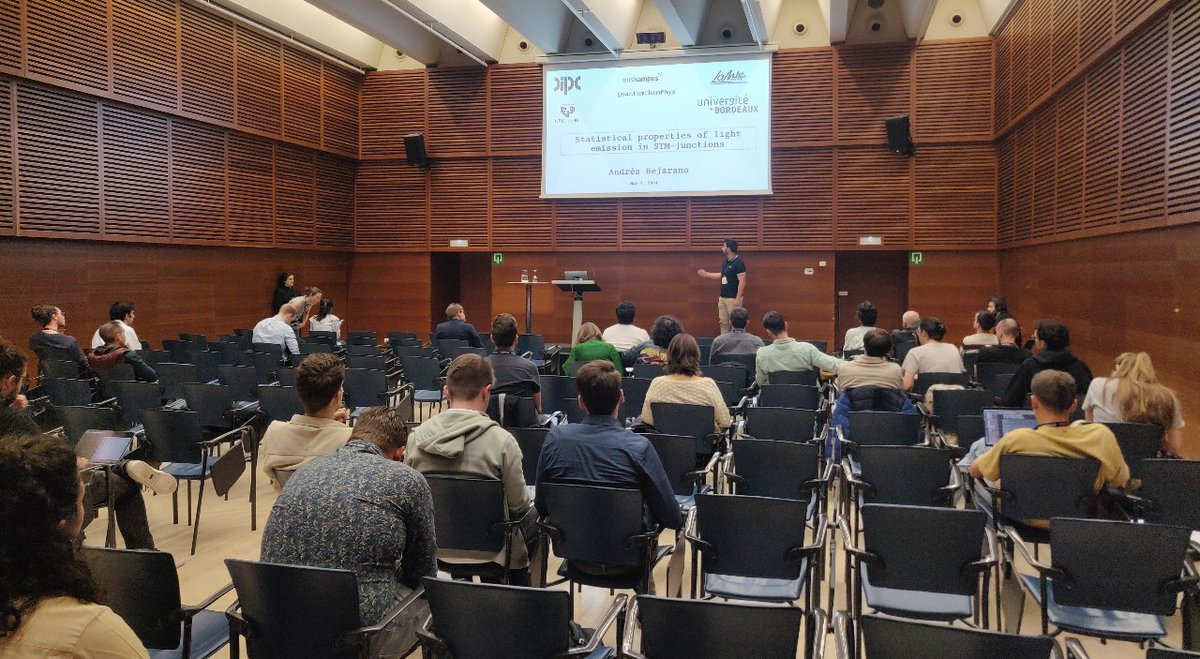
pixel 102 446
pixel 998 423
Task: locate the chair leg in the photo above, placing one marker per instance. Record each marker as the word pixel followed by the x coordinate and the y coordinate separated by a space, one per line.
pixel 175 507
pixel 189 502
pixel 196 526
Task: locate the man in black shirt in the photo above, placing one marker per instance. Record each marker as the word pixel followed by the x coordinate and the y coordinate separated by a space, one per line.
pixel 733 282
pixel 515 375
pixel 457 327
pixel 1052 340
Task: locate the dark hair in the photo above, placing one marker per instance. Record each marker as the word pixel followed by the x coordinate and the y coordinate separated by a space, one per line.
pixel 382 426
pixel 933 327
pixel 986 320
pixel 664 329
pixel 738 317
pixel 119 310
pixel 504 330
pixel 1054 333
pixel 468 375
pixel 683 355
pixel 599 385
pixel 877 343
pixel 626 312
pixel 1054 389
pixel 867 313
pixel 281 280
pixel 1001 307
pixel 112 331
pixel 38 559
pixel 43 313
pixel 731 244
pixel 12 361
pixel 325 307
pixel 318 379
pixel 773 322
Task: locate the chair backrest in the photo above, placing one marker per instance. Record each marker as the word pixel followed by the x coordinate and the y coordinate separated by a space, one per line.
pixel 901 348
pixel 394 338
pixel 595 523
pixel 970 428
pixel 905 475
pixel 503 622
pixel 530 441
pixel 1138 441
pixel 927 380
pixel 458 351
pixel 534 343
pixel 171 377
pixel 400 350
pixel 226 351
pixel 374 361
pixel 772 468
pixel 1173 489
pixel 798 396
pixel 279 403
pixel 745 361
pixel 264 364
pixel 1088 550
pixel 77 419
pixel 59 368
pixel 648 371
pixel 323 337
pixel 273 349
pixel 732 373
pixel 63 391
pixel 1167 653
pixel 705 351
pixel 808 377
pixel 369 350
pixel 884 428
pixel 212 401
pixel 361 338
pixel 135 397
pixel 286 376
pixel 446 346
pixel 559 395
pixel 851 354
pixel 677 454
pixel 143 588
pixel 729 392
pixel 898 536
pixel 512 411
pixel 783 423
pixel 819 344
pixel 987 370
pixel 365 387
pixel 894 638
pixel 241 380
pixel 635 396
pixel 468 513
pixel 295 611
pixel 950 404
pixel 750 535
pixel 154 357
pixel 423 372
pixel 312 347
pixel 997 383
pixel 1042 487
pixel 674 628
pixel 695 421
pixel 206 365
pixel 174 435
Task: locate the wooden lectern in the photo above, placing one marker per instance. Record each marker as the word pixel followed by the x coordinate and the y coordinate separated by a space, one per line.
pixel 576 287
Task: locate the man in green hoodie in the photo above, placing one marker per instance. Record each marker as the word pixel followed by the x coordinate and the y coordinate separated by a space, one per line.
pixel 463 439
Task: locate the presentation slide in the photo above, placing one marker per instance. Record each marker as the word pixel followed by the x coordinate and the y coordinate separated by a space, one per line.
pixel 665 127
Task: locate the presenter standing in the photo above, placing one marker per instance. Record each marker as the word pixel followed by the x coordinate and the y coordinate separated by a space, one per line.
pixel 733 282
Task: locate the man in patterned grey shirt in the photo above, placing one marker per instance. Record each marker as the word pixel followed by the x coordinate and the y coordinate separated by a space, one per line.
pixel 359 509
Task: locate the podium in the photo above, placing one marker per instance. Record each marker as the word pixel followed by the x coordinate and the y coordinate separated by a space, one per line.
pixel 576 287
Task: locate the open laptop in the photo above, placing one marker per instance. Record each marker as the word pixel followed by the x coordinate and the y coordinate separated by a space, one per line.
pixel 578 275
pixel 999 422
pixel 103 447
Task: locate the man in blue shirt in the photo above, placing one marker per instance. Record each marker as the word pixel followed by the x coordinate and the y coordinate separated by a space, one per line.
pixel 457 327
pixel 600 451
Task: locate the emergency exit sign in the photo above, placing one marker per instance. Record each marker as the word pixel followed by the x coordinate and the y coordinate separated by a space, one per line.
pixel 497 258
pixel 916 258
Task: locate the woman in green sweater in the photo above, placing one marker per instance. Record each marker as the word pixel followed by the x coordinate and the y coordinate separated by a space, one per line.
pixel 590 347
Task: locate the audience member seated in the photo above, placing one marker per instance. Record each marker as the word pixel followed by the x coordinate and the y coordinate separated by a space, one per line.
pixel 599 451
pixel 50 337
pixel 932 356
pixel 737 341
pixel 787 354
pixel 1051 340
pixel 872 369
pixel 999 308
pixel 121 313
pixel 457 327
pixel 908 328
pixel 590 347
pixel 623 334
pixel 128 505
pixel 867 315
pixel 1133 395
pixel 321 430
pixel 113 352
pixel 515 375
pixel 305 304
pixel 278 329
pixel 359 508
pixel 654 351
pixel 684 383
pixel 1008 348
pixel 324 320
pixel 49 604
pixel 464 440
pixel 1053 401
pixel 982 323
pixel 285 290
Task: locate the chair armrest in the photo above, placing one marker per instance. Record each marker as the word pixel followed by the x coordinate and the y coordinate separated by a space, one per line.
pixel 237 623
pixel 841 636
pixel 794 554
pixel 362 635
pixel 223 437
pixel 855 483
pixel 1019 543
pixel 699 475
pixel 610 617
pixel 851 548
pixel 1075 649
pixel 630 627
pixel 990 559
pixel 189 610
pixel 430 640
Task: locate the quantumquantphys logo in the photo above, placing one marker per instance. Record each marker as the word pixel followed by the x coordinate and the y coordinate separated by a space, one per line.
pixel 730 77
pixel 565 84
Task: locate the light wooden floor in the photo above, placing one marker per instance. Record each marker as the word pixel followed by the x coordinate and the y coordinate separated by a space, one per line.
pixel 225 533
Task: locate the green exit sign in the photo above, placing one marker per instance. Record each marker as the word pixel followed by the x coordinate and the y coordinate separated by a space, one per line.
pixel 916 258
pixel 497 258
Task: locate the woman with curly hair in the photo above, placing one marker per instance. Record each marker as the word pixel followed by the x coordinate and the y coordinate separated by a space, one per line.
pixel 1133 395
pixel 654 351
pixel 49 604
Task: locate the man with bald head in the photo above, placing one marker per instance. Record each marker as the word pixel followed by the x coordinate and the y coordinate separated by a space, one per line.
pixel 1008 350
pixel 908 328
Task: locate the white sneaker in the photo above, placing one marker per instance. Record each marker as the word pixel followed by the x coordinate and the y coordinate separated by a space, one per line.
pixel 159 482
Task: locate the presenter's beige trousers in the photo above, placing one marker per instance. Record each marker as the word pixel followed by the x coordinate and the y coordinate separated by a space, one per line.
pixel 724 306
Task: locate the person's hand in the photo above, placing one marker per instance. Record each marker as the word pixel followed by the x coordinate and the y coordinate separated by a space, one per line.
pixel 737 302
pixel 20 404
pixel 702 272
pixel 342 414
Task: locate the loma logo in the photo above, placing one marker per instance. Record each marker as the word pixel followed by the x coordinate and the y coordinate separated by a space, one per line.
pixel 565 84
pixel 729 77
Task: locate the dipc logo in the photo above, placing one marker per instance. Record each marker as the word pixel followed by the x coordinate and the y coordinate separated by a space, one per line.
pixel 729 77
pixel 565 84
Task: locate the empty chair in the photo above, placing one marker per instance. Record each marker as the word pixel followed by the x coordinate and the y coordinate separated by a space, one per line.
pixel 172 376
pixel 401 350
pixel 458 351
pixel 512 411
pixel 798 396
pixel 635 395
pixel 373 361
pixel 1170 493
pixel 926 380
pixel 361 338
pixel 279 403
pixel 155 357
pixel 286 376
pixel 735 374
pixel 559 395
pixel 884 429
pixel 366 388
pixel 1167 653
pixel 986 371
pixel 322 337
pixel 143 588
pixel 59 368
pixel 648 371
pixel 808 377
pixel 356 350
pixel 264 364
pixel 133 398
pixel 470 514
pixel 446 346
pixel 402 338
pixel 745 361
pixel 673 628
pixel 425 375
pixel 226 352
pixel 311 347
pixel 678 457
pixel 950 404
pixel 273 349
pixel 783 423
pixel 77 419
pixel 970 429
pixel 508 622
pixel 215 404
pixel 1138 441
pixel 530 441
pixel 535 345
pixel 890 638
pixel 68 392
pixel 206 365
pixel 905 475
pixel 901 348
pixel 241 380
pixel 771 468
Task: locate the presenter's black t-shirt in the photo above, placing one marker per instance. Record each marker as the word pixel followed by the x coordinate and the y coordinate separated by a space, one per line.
pixel 729 276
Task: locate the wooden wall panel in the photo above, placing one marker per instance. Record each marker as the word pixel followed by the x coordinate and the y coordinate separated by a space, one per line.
pixel 1103 130
pixel 458 202
pixel 519 219
pixel 713 219
pixel 872 85
pixel 1040 39
pixel 1069 159
pixel 301 97
pixel 334 225
pixel 59 162
pixel 586 224
pixel 145 53
pixel 953 91
pixel 799 215
pixel 135 173
pixel 872 198
pixel 295 196
pixel 10 34
pixel 1066 39
pixel 1143 124
pixel 457 111
pixel 391 207
pixel 251 173
pixel 648 223
pixel 1183 160
pixel 952 287
pixel 1043 173
pixel 393 105
pixel 955 196
pixel 802 97
pixel 68 41
pixel 207 78
pixel 259 99
pixel 388 292
pixel 515 122
pixel 7 196
pixel 339 109
pixel 198 182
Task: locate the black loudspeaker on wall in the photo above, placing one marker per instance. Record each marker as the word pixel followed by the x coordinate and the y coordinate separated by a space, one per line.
pixel 414 150
pixel 899 140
